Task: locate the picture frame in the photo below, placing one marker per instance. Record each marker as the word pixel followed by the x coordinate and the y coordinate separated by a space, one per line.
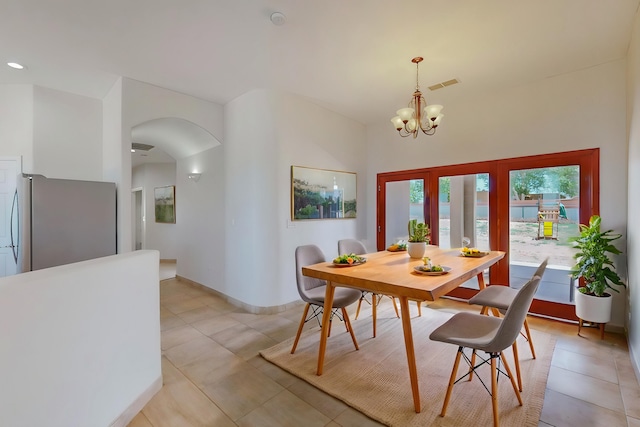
pixel 165 204
pixel 322 194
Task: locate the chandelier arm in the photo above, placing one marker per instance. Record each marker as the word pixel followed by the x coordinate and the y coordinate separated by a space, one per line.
pixel 429 131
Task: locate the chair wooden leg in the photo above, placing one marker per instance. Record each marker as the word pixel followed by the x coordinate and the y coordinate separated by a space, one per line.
pixel 484 310
pixel 395 307
pixel 374 311
pixel 304 317
pixel 526 328
pixel 494 392
pixel 452 380
pixel 359 304
pixel 516 361
pixel 348 324
pixel 513 383
pixel 419 308
pixel 473 363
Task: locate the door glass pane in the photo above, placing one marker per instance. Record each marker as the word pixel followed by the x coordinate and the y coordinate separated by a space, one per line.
pixel 404 201
pixel 463 212
pixel 545 211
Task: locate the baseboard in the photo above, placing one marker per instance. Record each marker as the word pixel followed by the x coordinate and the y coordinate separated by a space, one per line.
pixel 168 261
pixel 253 309
pixel 635 361
pixel 129 414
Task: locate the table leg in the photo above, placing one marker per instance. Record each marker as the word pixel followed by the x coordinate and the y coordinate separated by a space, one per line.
pixel 326 316
pixel 482 285
pixel 411 356
pixel 374 309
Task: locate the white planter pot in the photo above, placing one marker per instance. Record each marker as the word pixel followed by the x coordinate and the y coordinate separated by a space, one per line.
pixel 593 309
pixel 416 249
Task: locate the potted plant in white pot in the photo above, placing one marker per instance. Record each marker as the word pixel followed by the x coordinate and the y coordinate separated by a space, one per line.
pixel 593 264
pixel 418 238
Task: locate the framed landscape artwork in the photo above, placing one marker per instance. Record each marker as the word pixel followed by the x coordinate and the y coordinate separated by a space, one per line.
pixel 322 194
pixel 165 204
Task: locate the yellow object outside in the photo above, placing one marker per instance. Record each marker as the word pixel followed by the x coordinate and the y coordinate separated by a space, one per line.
pixel 548 229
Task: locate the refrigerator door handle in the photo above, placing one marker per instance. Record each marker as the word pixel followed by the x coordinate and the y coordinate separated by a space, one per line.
pixel 14 244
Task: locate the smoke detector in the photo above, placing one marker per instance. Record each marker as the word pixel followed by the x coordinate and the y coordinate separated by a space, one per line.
pixel 278 18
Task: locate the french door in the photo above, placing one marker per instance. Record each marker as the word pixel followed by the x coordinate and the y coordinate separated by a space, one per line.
pixel 528 207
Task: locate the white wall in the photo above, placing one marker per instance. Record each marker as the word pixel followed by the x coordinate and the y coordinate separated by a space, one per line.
pixel 114 162
pixel 58 134
pixel 80 342
pixel 202 249
pixel 285 130
pixel 633 231
pixel 584 109
pixel 158 236
pixel 16 123
pixel 142 102
pixel 67 135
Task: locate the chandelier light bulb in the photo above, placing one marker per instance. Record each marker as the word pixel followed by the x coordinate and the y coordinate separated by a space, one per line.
pixel 397 122
pixel 432 111
pixel 405 114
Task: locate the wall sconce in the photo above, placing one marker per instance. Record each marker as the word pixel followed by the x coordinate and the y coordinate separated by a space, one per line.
pixel 194 176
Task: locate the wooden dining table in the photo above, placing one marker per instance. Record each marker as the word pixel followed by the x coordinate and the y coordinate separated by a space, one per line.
pixel 392 273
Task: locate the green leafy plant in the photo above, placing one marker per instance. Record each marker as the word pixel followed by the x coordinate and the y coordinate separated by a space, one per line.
pixel 418 231
pixel 592 262
pixel 349 259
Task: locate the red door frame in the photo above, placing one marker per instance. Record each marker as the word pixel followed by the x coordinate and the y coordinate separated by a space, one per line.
pixel 498 170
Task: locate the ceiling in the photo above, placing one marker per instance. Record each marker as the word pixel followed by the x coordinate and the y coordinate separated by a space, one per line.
pixel 353 57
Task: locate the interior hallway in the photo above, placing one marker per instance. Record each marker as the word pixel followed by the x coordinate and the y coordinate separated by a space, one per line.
pixel 213 375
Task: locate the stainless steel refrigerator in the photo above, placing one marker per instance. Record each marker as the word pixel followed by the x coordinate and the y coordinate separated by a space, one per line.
pixel 60 221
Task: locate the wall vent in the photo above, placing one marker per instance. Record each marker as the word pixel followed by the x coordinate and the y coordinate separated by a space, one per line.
pixel 444 84
pixel 142 147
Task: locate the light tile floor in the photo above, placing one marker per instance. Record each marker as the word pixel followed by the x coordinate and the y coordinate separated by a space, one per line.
pixel 213 375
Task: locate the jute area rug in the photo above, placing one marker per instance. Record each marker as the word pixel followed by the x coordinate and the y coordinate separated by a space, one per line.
pixel 375 379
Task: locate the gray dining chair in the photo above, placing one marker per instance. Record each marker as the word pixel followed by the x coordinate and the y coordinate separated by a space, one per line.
pixel 312 291
pixel 353 246
pixel 499 298
pixel 489 334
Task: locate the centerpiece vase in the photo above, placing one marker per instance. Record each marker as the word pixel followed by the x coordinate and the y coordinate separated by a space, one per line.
pixel 416 249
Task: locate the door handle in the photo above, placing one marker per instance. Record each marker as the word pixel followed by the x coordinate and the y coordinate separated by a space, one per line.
pixel 14 206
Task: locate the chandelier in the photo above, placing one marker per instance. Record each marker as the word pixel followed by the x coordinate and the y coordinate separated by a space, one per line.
pixel 411 119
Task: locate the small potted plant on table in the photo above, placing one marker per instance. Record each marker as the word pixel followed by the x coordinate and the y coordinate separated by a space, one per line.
pixel 418 238
pixel 593 303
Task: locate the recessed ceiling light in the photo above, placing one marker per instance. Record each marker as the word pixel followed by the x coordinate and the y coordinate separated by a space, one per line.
pixel 133 151
pixel 16 65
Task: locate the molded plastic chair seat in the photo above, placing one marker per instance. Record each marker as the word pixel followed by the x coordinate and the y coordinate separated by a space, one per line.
pixel 312 291
pixel 470 330
pixel 489 334
pixel 342 297
pixel 495 296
